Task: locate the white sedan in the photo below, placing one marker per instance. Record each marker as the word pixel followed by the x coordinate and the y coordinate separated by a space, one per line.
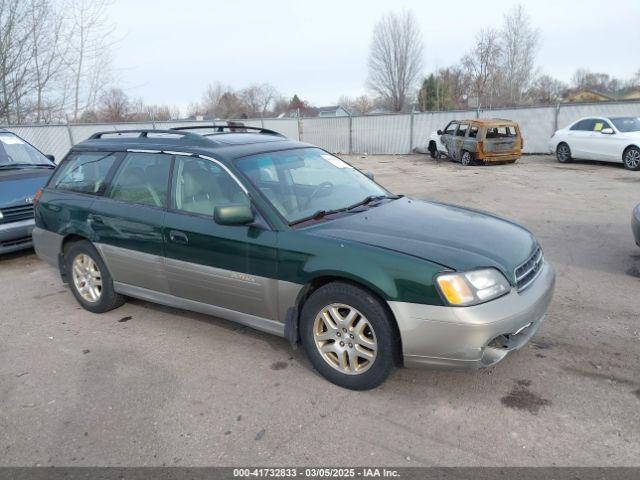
pixel 609 139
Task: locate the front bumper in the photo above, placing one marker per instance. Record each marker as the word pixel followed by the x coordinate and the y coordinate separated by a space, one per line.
pixel 477 336
pixel 635 224
pixel 16 236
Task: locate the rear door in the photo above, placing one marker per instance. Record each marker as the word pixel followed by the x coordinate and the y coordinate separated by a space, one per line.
pixel 127 220
pixel 501 140
pixel 228 266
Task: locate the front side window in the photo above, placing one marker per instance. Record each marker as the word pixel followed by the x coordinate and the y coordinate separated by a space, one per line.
pixel 15 152
pixel 451 128
pixel 201 185
pixel 84 172
pixel 143 178
pixel 301 182
pixel 586 125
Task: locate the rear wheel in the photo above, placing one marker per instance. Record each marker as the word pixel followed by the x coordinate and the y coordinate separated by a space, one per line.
pixel 348 336
pixel 89 279
pixel 433 150
pixel 631 158
pixel 467 158
pixel 563 153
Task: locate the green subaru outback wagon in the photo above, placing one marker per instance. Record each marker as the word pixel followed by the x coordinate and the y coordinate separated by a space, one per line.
pixel 286 238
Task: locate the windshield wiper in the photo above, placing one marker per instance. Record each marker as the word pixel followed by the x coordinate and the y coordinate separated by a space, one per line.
pixel 27 165
pixel 371 198
pixel 317 216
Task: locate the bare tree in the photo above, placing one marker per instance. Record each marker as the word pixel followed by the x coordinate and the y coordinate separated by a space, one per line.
pixel 114 106
pixel 519 48
pixel 258 98
pixel 89 56
pixel 546 90
pixel 482 65
pixel 49 44
pixel 395 58
pixel 15 58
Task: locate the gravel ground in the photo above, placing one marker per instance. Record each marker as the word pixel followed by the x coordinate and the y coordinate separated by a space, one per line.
pixel 149 385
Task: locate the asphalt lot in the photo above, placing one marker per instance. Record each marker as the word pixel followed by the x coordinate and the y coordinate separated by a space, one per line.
pixel 149 385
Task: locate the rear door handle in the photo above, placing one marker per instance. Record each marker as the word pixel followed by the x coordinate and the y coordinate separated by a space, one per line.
pixel 178 237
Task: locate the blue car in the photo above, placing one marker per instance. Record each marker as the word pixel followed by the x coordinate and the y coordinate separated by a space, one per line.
pixel 23 171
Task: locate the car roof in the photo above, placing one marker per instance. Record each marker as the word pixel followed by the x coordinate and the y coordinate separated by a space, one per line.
pixel 225 146
pixel 487 122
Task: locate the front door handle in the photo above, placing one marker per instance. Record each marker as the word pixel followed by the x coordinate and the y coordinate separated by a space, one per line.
pixel 178 237
pixel 95 219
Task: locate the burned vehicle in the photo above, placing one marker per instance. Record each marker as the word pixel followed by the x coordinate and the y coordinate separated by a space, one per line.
pixel 491 140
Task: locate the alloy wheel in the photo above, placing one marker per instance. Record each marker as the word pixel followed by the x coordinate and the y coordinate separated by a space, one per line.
pixel 345 339
pixel 466 159
pixel 564 154
pixel 632 158
pixel 87 278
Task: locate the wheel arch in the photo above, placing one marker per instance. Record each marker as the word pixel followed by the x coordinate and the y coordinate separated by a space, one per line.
pixel 67 241
pixel 292 321
pixel 625 149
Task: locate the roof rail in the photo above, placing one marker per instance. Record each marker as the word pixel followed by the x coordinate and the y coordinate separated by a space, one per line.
pixel 232 128
pixel 143 133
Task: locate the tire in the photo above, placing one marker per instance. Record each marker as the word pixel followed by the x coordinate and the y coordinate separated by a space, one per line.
pixel 433 150
pixel 466 158
pixel 367 343
pixel 631 158
pixel 563 153
pixel 93 276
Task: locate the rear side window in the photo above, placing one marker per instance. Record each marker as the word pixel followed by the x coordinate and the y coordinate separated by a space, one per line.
pixel 84 172
pixel 501 132
pixel 143 178
pixel 473 132
pixel 462 131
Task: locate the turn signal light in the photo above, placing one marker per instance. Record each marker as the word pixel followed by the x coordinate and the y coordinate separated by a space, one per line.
pixel 36 197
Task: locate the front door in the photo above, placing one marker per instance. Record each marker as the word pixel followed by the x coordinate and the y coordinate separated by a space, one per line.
pixel 228 266
pixel 448 139
pixel 128 219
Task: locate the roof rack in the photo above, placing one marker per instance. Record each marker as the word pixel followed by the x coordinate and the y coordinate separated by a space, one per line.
pixel 143 133
pixel 232 128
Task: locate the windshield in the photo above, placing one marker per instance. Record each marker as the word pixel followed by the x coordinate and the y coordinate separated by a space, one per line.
pixel 15 151
pixel 627 124
pixel 301 182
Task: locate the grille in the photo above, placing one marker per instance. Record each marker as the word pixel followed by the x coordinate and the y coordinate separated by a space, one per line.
pixel 15 214
pixel 529 270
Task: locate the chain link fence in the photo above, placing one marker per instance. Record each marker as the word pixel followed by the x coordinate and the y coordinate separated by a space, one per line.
pixel 370 134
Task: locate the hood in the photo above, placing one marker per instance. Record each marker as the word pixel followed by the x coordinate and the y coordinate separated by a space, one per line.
pixel 16 186
pixel 454 237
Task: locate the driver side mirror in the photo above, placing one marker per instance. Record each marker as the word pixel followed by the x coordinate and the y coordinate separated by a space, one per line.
pixel 238 214
pixel 51 157
pixel 439 132
pixel 607 131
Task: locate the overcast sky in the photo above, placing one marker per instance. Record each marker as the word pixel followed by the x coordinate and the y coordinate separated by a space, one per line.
pixel 169 51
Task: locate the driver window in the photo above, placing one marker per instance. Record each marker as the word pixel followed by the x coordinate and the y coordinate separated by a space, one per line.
pixel 201 185
pixel 451 128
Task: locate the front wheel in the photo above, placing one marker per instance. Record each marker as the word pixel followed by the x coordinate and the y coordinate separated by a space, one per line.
pixel 348 336
pixel 89 278
pixel 563 153
pixel 631 158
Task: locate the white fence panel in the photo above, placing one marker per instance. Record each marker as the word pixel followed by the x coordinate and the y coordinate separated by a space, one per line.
pixel 330 133
pixel 536 125
pixel 570 113
pixel 286 126
pixel 426 123
pixel 49 139
pixel 382 134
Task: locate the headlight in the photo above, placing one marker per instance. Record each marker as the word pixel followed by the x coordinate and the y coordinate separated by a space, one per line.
pixel 471 288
